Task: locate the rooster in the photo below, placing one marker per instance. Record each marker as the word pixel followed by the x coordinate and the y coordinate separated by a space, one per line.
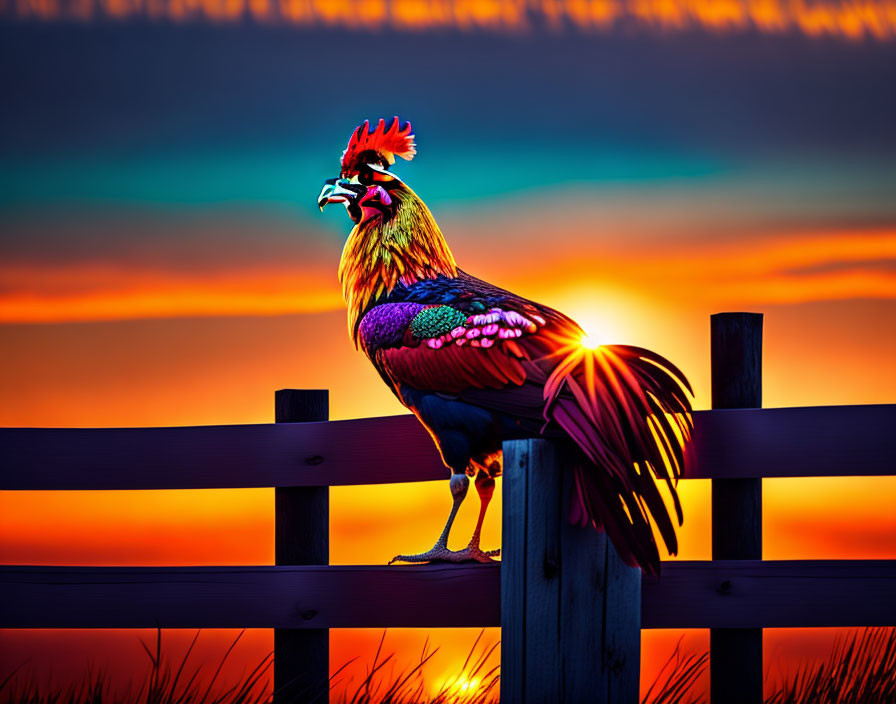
pixel 478 364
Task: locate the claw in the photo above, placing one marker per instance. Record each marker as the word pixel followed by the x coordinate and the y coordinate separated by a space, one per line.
pixel 443 554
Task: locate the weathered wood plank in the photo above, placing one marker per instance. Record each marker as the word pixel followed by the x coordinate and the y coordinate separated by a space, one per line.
pixel 728 594
pixel 583 614
pixel 543 638
pixel 622 629
pixel 572 614
pixel 600 615
pixel 514 500
pixel 742 443
pixel 771 594
pixel 736 654
pixel 815 441
pixel 364 451
pixel 736 360
pixel 301 537
pixel 325 596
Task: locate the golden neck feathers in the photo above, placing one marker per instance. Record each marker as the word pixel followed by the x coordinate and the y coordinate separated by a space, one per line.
pixel 383 253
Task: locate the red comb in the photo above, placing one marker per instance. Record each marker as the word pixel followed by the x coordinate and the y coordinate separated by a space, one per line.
pixel 396 141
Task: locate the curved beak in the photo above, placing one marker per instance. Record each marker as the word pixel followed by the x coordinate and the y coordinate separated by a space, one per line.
pixel 337 190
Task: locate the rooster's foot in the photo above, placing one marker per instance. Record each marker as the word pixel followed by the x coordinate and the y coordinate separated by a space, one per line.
pixel 475 554
pixel 440 553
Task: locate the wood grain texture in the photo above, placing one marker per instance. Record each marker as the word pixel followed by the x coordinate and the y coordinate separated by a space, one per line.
pixel 543 639
pixel 737 519
pixel 583 614
pixel 702 594
pixel 514 499
pixel 736 360
pixel 570 608
pixel 775 442
pixel 301 537
pixel 600 613
pixel 301 514
pixel 325 596
pixel 301 405
pixel 736 370
pixel 814 441
pixel 622 629
pixel 366 451
pixel 771 594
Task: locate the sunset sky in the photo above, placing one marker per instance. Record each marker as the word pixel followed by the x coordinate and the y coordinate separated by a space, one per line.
pixel 637 165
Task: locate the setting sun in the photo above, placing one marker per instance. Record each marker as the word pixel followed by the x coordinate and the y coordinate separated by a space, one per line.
pixel 459 686
pixel 590 341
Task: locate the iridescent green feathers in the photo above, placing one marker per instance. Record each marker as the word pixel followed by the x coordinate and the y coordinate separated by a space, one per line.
pixel 436 321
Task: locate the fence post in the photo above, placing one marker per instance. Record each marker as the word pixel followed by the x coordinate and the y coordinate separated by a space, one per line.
pixel 301 537
pixel 736 653
pixel 570 608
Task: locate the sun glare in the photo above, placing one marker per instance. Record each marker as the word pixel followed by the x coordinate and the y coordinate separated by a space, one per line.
pixel 604 313
pixel 589 341
pixel 460 686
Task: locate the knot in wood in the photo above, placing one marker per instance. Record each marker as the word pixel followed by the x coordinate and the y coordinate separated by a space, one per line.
pixel 725 588
pixel 308 614
pixel 314 460
pixel 615 660
pixel 551 567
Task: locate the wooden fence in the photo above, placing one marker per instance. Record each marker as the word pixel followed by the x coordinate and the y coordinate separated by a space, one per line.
pixel 546 655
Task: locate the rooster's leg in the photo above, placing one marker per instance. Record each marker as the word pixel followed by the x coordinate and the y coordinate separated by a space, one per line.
pixel 485 486
pixel 460 483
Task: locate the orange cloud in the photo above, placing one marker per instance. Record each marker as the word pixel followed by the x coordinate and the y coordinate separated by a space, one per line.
pixel 151 265
pixel 848 20
pixel 770 269
pixel 783 269
pixel 200 274
pixel 72 292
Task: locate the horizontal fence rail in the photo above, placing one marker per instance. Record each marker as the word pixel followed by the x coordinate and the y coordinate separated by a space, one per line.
pixel 319 596
pixel 737 443
pixel 703 594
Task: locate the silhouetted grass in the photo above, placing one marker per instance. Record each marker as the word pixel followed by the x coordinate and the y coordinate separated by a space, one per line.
pixel 676 678
pixel 860 670
pixel 476 683
pixel 162 684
